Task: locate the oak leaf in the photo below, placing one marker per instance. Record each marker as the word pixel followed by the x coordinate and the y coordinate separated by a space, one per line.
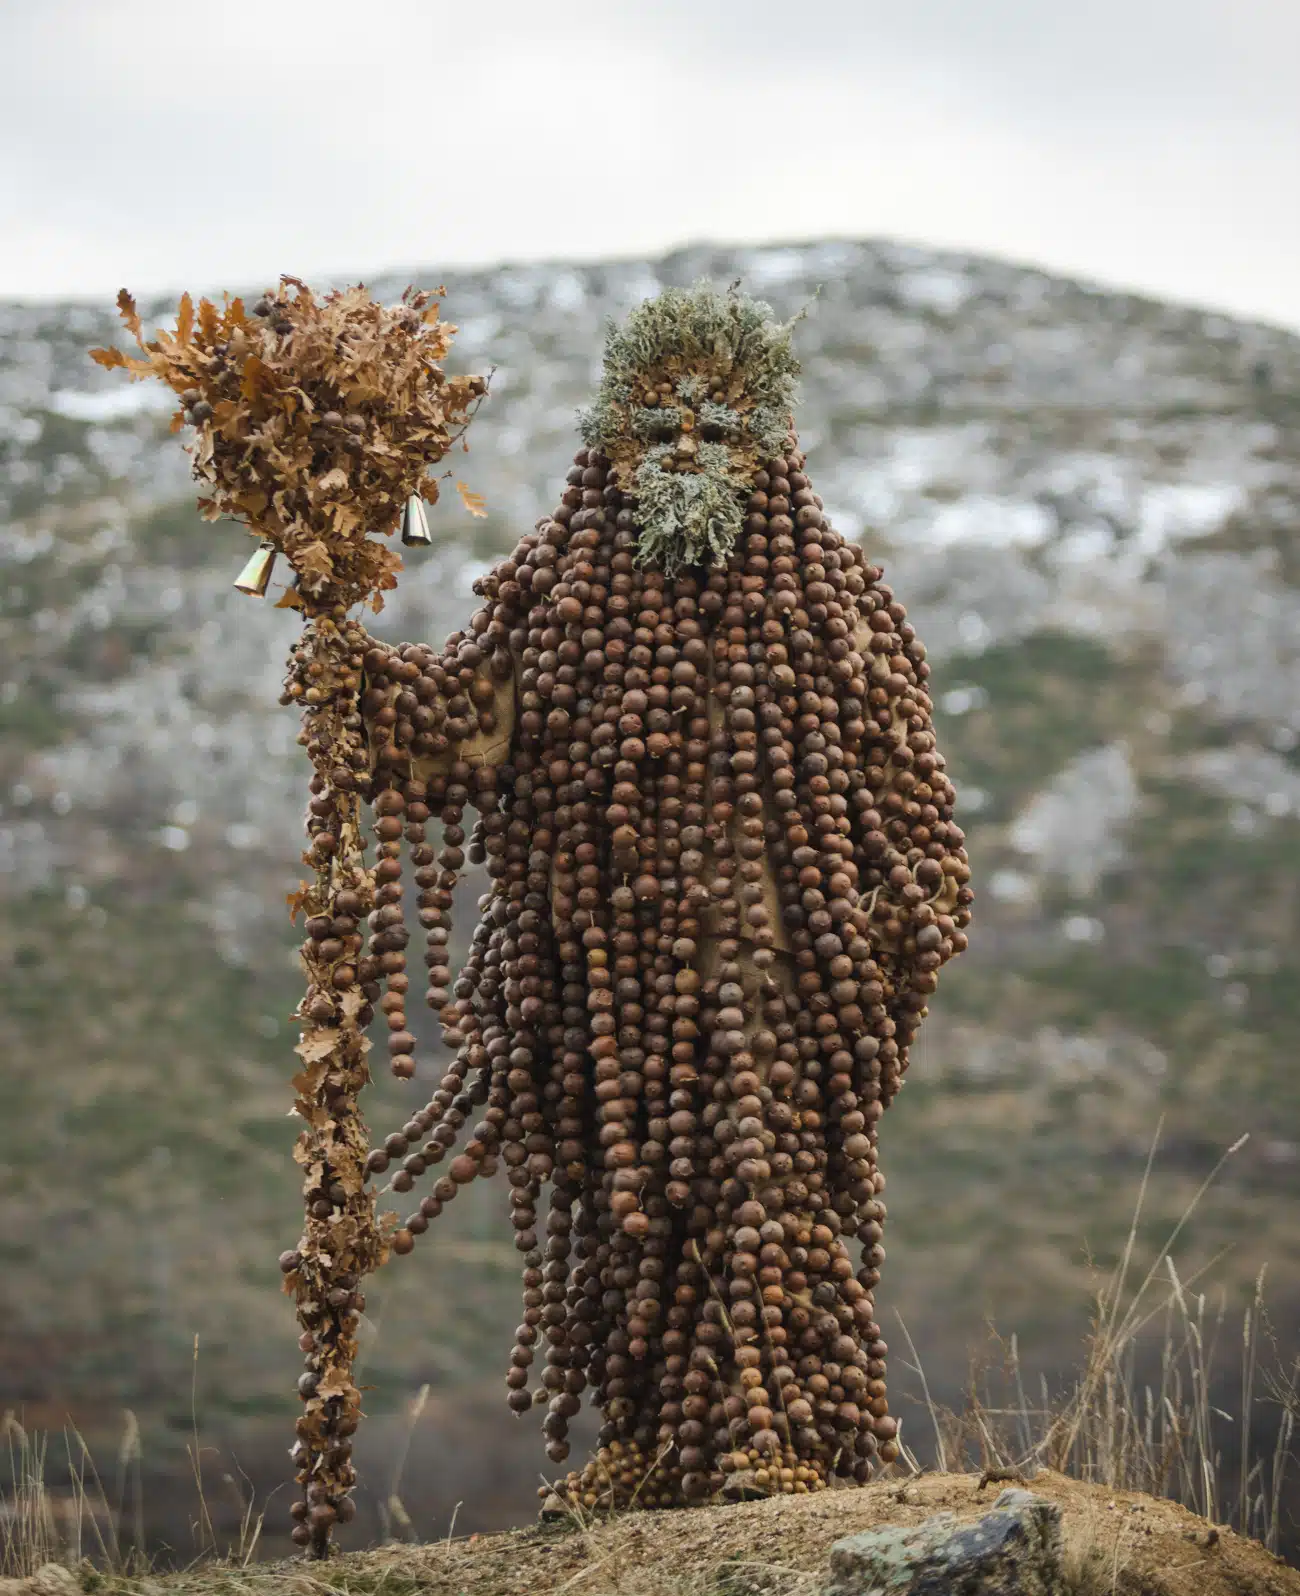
pixel 313 560
pixel 346 519
pixel 127 311
pixel 475 503
pixel 317 1045
pixel 336 1383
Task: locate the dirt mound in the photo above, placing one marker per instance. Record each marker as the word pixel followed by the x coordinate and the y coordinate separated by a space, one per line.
pixel 1118 1543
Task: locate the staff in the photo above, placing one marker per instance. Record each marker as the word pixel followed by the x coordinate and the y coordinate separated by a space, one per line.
pixel 315 424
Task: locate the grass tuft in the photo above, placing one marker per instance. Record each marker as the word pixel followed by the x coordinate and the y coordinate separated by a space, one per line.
pixel 1139 1417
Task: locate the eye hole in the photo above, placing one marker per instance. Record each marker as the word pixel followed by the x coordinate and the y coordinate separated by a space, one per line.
pixel 711 432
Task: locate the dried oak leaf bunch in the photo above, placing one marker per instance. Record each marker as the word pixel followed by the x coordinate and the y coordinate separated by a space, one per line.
pixel 317 419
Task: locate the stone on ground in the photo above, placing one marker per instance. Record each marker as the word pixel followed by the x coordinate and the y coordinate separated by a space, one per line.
pixel 1014 1550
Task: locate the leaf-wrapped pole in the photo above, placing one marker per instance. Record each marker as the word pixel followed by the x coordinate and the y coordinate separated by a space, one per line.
pixel 341 1242
pixel 316 421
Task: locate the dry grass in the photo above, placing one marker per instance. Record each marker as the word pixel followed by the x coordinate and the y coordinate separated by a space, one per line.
pixel 85 1525
pixel 1141 1414
pixel 39 1525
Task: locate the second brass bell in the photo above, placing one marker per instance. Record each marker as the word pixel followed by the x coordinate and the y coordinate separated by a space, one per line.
pixel 415 525
pixel 256 575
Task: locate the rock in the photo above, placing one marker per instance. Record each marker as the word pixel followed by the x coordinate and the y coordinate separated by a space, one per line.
pixel 742 1486
pixel 50 1579
pixel 554 1508
pixel 53 1579
pixel 1015 1550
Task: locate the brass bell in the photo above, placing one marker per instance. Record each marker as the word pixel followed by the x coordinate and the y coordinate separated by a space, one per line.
pixel 415 524
pixel 256 575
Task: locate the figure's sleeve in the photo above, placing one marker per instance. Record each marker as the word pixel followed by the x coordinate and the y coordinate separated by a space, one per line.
pixel 486 744
pixel 916 895
pixel 422 715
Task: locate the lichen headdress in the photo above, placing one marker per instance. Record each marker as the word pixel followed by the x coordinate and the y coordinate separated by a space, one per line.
pixel 697 392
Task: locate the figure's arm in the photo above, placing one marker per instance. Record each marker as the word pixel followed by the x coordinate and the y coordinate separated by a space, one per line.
pixel 917 875
pixel 424 711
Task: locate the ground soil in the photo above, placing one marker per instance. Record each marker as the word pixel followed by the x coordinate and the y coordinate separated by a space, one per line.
pixel 1118 1543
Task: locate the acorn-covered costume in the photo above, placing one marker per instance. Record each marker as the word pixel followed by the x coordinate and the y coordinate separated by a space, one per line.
pixel 724 874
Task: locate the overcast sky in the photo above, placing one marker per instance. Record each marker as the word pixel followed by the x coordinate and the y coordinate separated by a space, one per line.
pixel 162 144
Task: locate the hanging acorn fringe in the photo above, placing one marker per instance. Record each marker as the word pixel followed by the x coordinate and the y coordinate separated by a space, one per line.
pixel 724 875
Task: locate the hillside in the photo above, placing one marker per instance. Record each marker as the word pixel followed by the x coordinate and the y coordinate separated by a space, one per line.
pixel 1087 501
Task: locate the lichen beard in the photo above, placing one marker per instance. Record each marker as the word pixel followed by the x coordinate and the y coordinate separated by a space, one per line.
pixel 696 392
pixel 691 1072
